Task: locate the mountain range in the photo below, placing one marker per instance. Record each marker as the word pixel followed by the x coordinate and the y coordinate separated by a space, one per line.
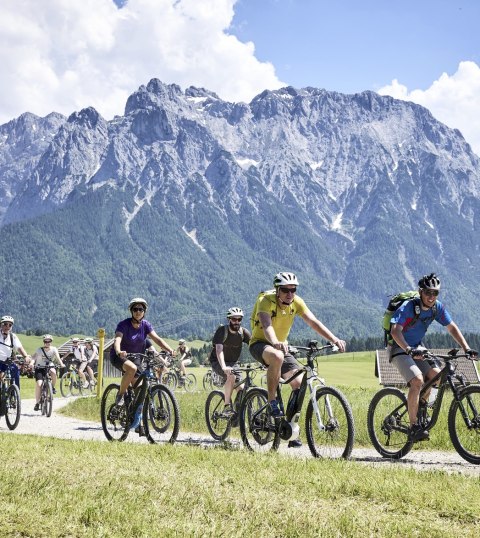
pixel 195 203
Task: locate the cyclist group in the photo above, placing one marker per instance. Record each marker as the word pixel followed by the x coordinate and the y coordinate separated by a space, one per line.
pixel 272 320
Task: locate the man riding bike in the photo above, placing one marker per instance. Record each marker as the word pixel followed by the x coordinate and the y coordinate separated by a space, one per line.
pixel 274 317
pixel 409 325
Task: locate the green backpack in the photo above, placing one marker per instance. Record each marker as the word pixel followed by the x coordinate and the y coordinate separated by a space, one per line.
pixel 393 305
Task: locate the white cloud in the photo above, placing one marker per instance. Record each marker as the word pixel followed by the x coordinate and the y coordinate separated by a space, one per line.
pixel 454 100
pixel 64 55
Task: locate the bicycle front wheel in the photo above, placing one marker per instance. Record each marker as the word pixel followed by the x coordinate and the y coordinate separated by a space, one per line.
pixel 169 380
pixel 47 399
pixel 161 415
pixel 66 384
pixel 329 425
pixel 464 424
pixel 13 407
pixel 218 425
pixel 258 429
pixel 207 381
pixel 190 382
pixel 388 423
pixel 114 417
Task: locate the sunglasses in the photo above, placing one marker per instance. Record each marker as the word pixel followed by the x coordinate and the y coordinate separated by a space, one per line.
pixel 7 323
pixel 138 309
pixel 236 319
pixel 283 289
pixel 431 293
pixel 47 341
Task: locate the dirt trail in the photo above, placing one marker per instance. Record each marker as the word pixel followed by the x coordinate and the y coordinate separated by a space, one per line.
pixel 33 423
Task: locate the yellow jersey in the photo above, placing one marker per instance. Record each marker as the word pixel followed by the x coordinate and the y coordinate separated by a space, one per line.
pixel 282 317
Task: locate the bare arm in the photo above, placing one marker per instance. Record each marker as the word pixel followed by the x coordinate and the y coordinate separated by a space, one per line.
pixel 161 342
pixel 266 323
pixel 320 328
pixel 457 335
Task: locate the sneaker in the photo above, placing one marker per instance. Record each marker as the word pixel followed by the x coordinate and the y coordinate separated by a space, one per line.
pixel 228 411
pixel 54 390
pixel 36 407
pixel 136 420
pixel 416 433
pixel 140 430
pixel 86 385
pixel 296 443
pixel 275 410
pixel 119 400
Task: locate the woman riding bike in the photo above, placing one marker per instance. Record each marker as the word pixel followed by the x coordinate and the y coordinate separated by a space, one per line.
pixel 130 337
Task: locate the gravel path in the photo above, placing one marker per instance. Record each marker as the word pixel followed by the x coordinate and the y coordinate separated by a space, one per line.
pixel 33 423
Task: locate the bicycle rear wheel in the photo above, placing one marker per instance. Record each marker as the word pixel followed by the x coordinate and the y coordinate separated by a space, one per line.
pixel 330 434
pixel 464 424
pixel 161 415
pixel 47 399
pixel 258 429
pixel 190 382
pixel 13 407
pixel 218 425
pixel 207 381
pixel 114 417
pixel 388 423
pixel 66 384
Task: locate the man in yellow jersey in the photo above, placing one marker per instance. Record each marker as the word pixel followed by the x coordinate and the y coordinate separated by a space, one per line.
pixel 272 320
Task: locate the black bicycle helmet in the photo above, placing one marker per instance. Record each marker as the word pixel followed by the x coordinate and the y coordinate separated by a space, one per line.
pixel 429 282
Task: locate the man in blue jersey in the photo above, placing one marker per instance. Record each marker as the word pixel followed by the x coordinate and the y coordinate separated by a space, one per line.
pixel 409 325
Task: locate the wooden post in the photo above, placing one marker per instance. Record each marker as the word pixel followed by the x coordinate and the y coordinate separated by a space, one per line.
pixel 101 345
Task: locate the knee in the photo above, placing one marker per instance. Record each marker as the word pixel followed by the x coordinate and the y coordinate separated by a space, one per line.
pixel 416 383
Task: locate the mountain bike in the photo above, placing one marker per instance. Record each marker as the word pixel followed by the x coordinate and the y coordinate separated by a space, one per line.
pixel 46 390
pixel 211 380
pixel 329 424
pixel 10 403
pixel 173 379
pixel 219 425
pixel 71 383
pixel 160 416
pixel 388 422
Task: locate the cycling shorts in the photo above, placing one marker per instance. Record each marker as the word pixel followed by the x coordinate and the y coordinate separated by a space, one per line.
pixel 289 363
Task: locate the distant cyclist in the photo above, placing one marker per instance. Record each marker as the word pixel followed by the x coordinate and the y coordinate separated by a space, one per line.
pixel 184 357
pixel 408 329
pixel 9 346
pixel 91 354
pixel 41 359
pixel 227 348
pixel 273 318
pixel 78 352
pixel 130 337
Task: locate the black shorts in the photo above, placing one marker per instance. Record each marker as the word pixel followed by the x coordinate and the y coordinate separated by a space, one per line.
pixel 289 362
pixel 223 376
pixel 119 362
pixel 40 374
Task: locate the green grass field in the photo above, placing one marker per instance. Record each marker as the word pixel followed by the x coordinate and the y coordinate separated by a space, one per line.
pixel 53 487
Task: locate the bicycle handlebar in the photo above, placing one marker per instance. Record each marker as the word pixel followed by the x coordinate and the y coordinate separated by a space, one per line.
pixel 313 348
pixel 452 355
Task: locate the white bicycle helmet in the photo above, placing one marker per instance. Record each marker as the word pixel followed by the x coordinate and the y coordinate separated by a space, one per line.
pixel 88 340
pixel 138 300
pixel 181 342
pixel 429 282
pixel 235 312
pixel 285 279
pixel 7 319
pixel 47 337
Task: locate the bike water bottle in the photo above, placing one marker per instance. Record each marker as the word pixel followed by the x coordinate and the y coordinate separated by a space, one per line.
pixel 433 396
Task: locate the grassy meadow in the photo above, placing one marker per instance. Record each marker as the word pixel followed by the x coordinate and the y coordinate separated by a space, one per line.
pixel 61 488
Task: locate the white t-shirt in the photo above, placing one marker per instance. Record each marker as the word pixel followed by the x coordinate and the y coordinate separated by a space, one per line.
pixel 40 359
pixel 79 353
pixel 91 354
pixel 6 345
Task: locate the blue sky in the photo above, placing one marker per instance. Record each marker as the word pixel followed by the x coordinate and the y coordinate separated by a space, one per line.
pixel 352 45
pixel 63 56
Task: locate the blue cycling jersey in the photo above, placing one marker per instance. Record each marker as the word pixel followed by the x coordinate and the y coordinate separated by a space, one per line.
pixel 415 332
